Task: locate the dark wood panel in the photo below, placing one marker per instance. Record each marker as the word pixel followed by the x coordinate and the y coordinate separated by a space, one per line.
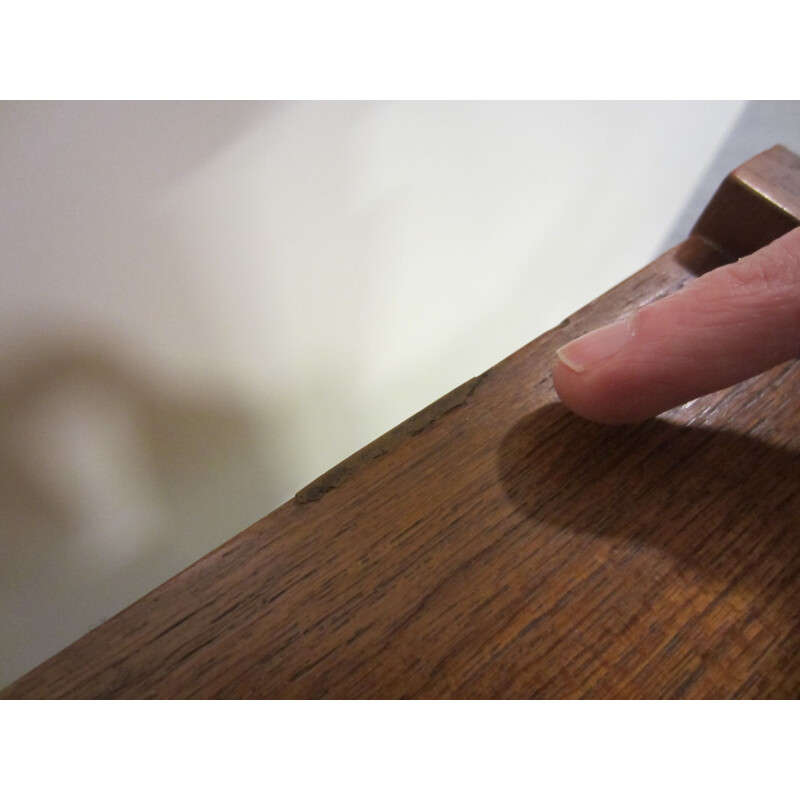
pixel 498 546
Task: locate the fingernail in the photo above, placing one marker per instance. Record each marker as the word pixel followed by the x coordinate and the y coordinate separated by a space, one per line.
pixel 591 349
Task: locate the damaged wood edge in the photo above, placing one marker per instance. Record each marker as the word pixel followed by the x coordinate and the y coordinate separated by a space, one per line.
pixel 389 441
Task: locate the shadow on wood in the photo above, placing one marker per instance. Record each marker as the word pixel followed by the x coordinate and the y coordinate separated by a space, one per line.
pixel 616 500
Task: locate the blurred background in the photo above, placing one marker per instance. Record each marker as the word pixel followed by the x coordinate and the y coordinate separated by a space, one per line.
pixel 206 305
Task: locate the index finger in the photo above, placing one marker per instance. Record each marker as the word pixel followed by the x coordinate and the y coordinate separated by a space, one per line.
pixel 728 325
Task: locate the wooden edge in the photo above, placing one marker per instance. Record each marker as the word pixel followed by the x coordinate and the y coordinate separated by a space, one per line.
pixel 756 204
pixel 384 444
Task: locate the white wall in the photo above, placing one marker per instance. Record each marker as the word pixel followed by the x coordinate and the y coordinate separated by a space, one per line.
pixel 204 306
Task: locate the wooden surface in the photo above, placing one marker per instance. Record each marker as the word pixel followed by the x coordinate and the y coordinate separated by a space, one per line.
pixel 498 546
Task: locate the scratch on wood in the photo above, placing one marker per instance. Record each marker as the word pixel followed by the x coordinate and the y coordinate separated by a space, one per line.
pixel 384 444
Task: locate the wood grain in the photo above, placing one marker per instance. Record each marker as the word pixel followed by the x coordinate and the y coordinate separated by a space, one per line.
pixel 496 546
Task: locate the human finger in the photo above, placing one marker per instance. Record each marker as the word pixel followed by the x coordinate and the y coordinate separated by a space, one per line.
pixel 730 324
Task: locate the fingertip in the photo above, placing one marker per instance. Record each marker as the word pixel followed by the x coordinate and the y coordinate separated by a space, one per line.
pixel 617 392
pixel 581 394
pixel 730 324
pixel 588 351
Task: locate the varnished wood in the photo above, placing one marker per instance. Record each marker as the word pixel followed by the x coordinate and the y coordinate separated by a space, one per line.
pixel 498 546
pixel 756 203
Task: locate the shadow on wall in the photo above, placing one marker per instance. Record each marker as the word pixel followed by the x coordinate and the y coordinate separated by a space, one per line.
pixel 109 484
pixel 110 480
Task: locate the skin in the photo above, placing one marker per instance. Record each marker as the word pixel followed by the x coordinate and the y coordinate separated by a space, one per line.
pixel 732 323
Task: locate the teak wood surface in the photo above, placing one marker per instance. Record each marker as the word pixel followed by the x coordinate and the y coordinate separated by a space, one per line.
pixel 496 546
